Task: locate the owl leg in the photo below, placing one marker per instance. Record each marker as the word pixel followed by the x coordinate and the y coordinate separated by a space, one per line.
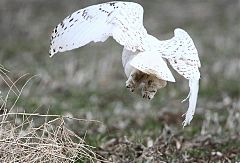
pixel 149 90
pixel 134 80
pixel 151 86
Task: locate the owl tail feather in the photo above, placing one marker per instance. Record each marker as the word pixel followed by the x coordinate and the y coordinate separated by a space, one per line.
pixel 193 94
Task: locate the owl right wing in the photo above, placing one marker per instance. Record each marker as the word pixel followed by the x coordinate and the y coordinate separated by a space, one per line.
pixel 182 55
pixel 121 20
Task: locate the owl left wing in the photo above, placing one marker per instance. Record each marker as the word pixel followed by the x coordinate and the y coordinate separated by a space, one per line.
pixel 121 20
pixel 182 55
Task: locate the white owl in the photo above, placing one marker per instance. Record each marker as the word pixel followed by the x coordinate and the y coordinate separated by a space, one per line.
pixel 144 56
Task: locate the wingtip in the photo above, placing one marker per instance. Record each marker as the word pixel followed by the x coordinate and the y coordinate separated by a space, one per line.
pixel 173 80
pixel 180 32
pixel 192 97
pixel 50 54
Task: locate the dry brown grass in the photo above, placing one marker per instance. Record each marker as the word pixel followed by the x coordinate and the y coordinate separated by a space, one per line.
pixel 24 139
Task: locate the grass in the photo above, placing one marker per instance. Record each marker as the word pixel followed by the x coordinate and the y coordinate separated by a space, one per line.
pixel 142 132
pixel 131 129
pixel 24 138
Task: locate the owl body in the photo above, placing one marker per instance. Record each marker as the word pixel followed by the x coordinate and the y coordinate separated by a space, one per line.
pixel 136 77
pixel 127 57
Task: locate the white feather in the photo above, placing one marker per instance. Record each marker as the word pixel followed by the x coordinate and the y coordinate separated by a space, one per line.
pixel 127 56
pixel 122 20
pixel 152 63
pixel 193 94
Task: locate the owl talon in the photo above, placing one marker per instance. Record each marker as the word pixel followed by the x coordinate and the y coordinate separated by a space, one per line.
pixel 130 86
pixel 148 95
pixel 144 95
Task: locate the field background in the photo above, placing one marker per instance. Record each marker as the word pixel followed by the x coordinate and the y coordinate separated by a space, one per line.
pixel 89 82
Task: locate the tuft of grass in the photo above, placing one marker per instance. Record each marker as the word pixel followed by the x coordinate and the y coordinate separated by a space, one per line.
pixel 24 139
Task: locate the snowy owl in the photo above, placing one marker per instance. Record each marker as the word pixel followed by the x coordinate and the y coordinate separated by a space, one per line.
pixel 144 57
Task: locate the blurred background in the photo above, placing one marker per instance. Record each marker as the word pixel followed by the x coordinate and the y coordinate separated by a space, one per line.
pixel 89 82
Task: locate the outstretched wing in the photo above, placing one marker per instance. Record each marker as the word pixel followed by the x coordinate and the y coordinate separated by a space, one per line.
pixel 182 55
pixel 122 20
